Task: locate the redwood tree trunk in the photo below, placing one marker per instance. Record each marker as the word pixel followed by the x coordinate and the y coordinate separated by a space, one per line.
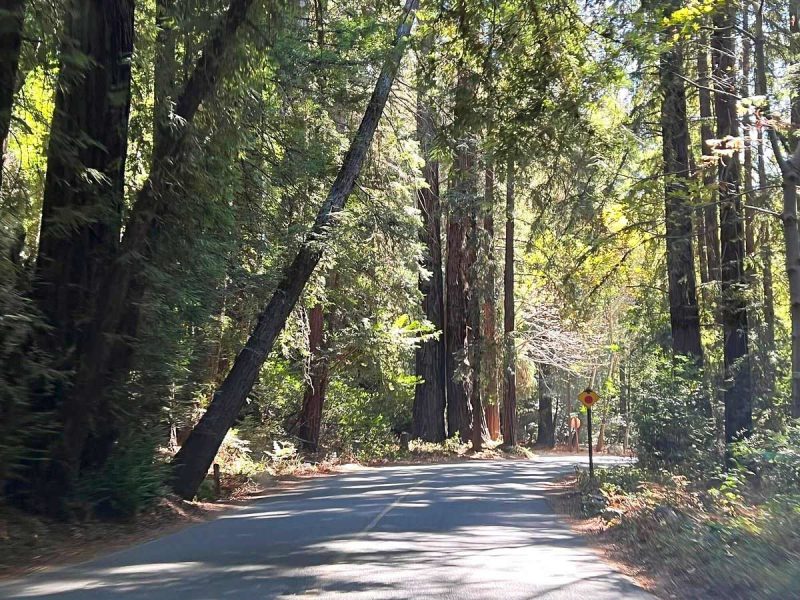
pixel 429 395
pixel 104 356
pixel 683 309
pixel 738 392
pixel 474 327
pixel 463 190
pixel 491 397
pixel 314 396
pixel 82 216
pixel 12 19
pixel 509 415
pixel 191 463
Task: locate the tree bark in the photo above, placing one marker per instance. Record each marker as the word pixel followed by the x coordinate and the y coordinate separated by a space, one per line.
pixel 491 395
pixel 429 395
pixel 104 357
pixel 710 214
pixel 509 416
pixel 683 309
pixel 12 21
pixel 191 463
pixel 475 330
pixel 82 206
pixel 463 192
pixel 738 392
pixel 314 396
pixel 546 431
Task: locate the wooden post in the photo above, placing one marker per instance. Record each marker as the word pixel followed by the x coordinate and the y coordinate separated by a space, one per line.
pixel 589 432
pixel 217 481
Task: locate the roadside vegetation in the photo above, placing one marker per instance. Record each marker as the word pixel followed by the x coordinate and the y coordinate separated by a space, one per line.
pixel 276 236
pixel 694 529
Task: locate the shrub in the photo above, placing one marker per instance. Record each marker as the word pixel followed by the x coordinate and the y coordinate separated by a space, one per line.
pixel 772 460
pixel 674 430
pixel 131 480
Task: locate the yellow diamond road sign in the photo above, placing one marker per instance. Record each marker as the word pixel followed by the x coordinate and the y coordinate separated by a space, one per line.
pixel 588 397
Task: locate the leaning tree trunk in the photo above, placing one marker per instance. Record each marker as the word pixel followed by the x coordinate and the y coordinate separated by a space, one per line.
pixel 429 395
pixel 509 415
pixel 82 216
pixel 738 392
pixel 316 389
pixel 683 309
pixel 12 19
pixel 195 457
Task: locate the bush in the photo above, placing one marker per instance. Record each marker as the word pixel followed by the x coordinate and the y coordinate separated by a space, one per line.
pixel 131 480
pixel 675 431
pixel 772 460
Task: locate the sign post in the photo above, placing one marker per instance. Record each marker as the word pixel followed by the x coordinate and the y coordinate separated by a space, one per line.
pixel 588 398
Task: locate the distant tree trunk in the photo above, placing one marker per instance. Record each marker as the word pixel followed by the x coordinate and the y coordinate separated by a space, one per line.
pixel 546 432
pixel 683 309
pixel 491 396
pixel 103 359
pixel 760 88
pixel 191 463
pixel 738 393
pixel 509 416
pixel 82 216
pixel 624 403
pixel 317 387
pixel 702 254
pixel 710 213
pixel 429 395
pixel 12 20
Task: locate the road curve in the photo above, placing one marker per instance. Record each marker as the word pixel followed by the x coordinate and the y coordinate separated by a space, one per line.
pixel 467 531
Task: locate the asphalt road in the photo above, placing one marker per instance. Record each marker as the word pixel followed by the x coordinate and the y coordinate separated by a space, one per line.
pixel 469 531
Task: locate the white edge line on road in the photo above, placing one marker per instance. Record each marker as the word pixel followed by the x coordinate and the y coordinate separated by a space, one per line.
pixel 386 510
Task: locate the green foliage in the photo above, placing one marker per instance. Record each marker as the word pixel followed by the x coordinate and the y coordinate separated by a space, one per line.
pixel 131 480
pixel 771 461
pixel 674 428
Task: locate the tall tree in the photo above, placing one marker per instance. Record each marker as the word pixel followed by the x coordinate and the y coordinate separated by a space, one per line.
pixel 509 414
pixel 191 463
pixel 429 395
pixel 491 396
pixel 462 197
pixel 83 198
pixel 738 392
pixel 89 283
pixel 683 309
